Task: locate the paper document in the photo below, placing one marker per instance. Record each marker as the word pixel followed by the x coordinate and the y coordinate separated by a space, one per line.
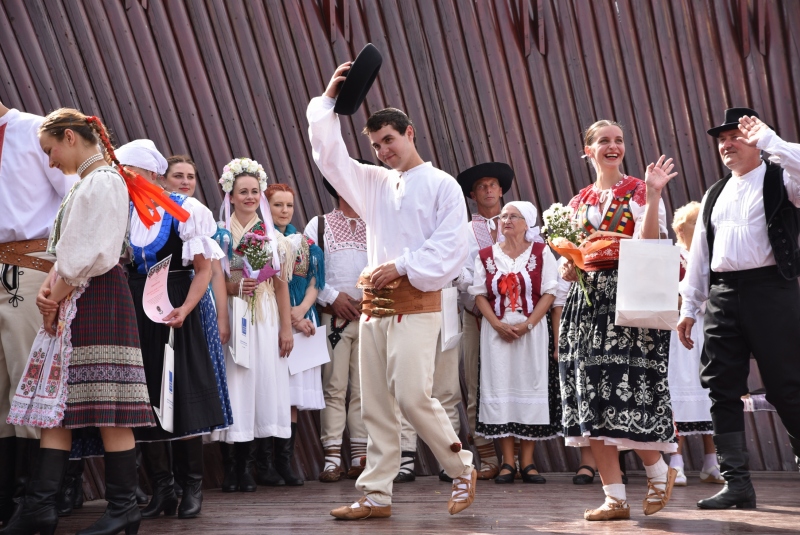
pixel 155 300
pixel 309 351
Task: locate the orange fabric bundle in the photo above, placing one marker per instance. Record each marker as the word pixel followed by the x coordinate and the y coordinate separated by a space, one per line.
pixel 576 253
pixel 510 287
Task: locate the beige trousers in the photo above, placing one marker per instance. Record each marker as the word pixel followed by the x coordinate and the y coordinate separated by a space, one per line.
pixel 336 375
pixel 398 355
pixel 470 341
pixel 446 389
pixel 19 322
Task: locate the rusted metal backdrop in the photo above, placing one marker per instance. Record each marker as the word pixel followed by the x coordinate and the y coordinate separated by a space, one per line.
pixel 507 80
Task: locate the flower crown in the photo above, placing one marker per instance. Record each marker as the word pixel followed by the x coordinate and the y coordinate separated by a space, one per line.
pixel 239 166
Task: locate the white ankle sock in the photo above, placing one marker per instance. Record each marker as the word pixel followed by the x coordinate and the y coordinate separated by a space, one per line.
pixel 676 461
pixel 657 474
pixel 709 462
pixel 370 502
pixel 616 490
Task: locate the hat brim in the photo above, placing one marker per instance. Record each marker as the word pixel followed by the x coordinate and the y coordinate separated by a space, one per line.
pixel 501 171
pixel 717 130
pixel 330 188
pixel 358 80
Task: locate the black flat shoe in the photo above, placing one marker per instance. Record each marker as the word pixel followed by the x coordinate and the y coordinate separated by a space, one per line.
pixel 584 479
pixel 527 477
pixel 444 477
pixel 503 479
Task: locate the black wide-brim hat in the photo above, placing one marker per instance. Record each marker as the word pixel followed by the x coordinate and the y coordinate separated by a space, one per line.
pixel 332 190
pixel 501 171
pixel 359 79
pixel 732 116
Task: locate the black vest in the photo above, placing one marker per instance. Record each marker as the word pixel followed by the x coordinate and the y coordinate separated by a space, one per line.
pixel 783 221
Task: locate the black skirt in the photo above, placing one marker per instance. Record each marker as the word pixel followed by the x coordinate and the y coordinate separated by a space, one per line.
pixel 613 379
pixel 197 403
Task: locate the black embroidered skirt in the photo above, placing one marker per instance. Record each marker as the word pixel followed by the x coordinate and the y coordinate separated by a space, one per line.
pixel 613 379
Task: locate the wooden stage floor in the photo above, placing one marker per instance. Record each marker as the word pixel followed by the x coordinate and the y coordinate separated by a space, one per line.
pixel 420 507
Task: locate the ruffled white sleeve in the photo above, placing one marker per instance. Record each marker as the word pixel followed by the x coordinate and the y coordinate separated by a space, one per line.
pixel 638 216
pixel 549 272
pixel 197 233
pixel 478 279
pixel 93 228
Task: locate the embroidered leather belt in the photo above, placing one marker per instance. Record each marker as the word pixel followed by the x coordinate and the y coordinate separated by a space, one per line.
pixel 16 253
pixel 398 297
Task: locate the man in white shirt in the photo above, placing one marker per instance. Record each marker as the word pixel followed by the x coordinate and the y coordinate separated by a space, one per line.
pixel 485 184
pixel 744 262
pixel 416 244
pixel 30 194
pixel 342 235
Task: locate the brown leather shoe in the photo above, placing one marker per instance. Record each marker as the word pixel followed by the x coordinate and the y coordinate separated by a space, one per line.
pixel 363 512
pixel 460 499
pixel 651 508
pixel 331 476
pixel 619 510
pixel 354 472
pixel 488 470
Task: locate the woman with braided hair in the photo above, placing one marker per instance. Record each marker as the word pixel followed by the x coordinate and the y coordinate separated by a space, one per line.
pixel 85 367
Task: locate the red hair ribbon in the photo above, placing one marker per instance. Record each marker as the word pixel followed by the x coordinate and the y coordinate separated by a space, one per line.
pixel 510 287
pixel 146 196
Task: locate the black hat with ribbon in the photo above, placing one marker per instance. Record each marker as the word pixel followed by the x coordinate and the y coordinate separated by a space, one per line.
pixel 732 116
pixel 501 171
pixel 358 80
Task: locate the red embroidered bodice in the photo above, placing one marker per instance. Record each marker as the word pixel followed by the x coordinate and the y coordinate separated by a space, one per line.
pixel 522 289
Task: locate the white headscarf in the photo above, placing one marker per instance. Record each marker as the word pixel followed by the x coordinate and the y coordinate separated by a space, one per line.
pixel 142 153
pixel 528 211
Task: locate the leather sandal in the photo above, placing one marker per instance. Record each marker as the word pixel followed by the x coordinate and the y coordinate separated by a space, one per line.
pixel 650 507
pixel 619 510
pixel 463 493
pixel 489 470
pixel 536 478
pixel 506 478
pixel 584 479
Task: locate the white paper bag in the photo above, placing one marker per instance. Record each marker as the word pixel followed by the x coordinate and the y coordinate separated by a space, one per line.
pixel 451 326
pixel 166 409
pixel 647 289
pixel 240 339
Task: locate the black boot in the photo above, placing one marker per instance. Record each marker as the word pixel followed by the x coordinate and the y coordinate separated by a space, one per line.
pixel 8 458
pixel 284 451
pixel 141 495
pixel 156 460
pixel 738 491
pixel 37 508
pixel 122 512
pixel 27 455
pixel 265 467
pixel 230 479
pixel 188 461
pixel 245 459
pixel 70 495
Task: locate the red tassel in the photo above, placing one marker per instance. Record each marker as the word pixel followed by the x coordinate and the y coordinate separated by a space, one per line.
pixel 147 197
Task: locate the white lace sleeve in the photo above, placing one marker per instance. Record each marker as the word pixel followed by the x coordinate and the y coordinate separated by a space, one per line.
pixel 197 233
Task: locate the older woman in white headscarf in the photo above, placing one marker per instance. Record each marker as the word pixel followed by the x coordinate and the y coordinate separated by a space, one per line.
pixel 515 283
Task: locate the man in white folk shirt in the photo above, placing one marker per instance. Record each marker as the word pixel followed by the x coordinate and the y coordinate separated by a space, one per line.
pixel 745 261
pixel 485 184
pixel 416 242
pixel 30 194
pixel 342 235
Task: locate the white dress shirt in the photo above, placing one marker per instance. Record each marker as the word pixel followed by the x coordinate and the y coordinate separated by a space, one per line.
pixel 740 224
pixel 30 191
pixel 344 259
pixel 414 218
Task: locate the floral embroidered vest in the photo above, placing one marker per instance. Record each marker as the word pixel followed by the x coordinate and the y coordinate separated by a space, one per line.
pixel 526 284
pixel 617 219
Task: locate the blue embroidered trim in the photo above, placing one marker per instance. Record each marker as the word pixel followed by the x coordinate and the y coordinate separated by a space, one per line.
pixel 145 257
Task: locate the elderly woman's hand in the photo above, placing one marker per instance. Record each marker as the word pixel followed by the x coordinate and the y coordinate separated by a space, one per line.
pixel 567 271
pixel 506 331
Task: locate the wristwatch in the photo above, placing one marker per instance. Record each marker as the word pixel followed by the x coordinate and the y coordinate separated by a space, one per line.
pixel 530 326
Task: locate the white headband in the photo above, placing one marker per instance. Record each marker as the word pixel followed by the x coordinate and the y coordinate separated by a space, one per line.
pixel 529 212
pixel 142 153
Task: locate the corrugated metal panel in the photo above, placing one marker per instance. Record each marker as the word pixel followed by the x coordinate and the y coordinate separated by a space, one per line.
pixel 508 80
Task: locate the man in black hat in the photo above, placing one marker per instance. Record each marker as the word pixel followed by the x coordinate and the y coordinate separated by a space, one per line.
pixel 342 235
pixel 416 245
pixel 744 262
pixel 485 184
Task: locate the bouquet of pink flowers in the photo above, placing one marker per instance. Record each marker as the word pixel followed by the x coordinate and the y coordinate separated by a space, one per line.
pixel 254 248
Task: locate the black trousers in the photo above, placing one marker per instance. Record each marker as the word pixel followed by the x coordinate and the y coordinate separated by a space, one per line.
pixel 753 311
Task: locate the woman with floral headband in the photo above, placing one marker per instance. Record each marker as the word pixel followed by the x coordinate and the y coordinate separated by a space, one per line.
pixel 85 369
pixel 260 391
pixel 197 406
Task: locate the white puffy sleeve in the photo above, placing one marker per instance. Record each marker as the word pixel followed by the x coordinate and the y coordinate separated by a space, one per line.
pixel 93 228
pixel 562 290
pixel 638 216
pixel 478 279
pixel 787 155
pixel 549 272
pixel 197 233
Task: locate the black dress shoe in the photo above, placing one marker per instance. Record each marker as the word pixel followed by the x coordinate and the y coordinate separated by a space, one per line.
pixel 584 479
pixel 527 477
pixel 444 477
pixel 503 479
